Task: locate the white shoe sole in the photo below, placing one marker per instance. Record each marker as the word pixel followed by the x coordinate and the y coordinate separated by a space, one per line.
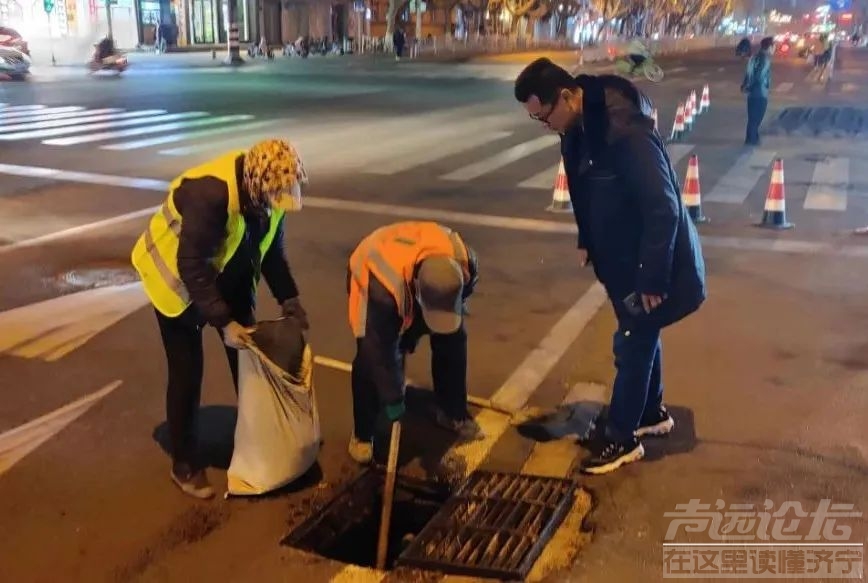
pixel 633 456
pixel 662 428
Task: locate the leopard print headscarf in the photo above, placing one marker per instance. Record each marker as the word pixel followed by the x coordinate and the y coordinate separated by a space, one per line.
pixel 272 166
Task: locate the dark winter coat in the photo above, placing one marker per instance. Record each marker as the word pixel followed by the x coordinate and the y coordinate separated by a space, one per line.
pixel 627 203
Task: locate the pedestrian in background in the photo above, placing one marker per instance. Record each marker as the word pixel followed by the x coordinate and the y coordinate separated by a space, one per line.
pixel 399 40
pixel 756 83
pixel 200 262
pixel 633 230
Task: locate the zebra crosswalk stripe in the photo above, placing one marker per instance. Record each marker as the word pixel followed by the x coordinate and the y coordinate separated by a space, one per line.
pixel 88 138
pixel 737 184
pixel 501 159
pixel 828 189
pixel 96 115
pixel 170 138
pixel 51 133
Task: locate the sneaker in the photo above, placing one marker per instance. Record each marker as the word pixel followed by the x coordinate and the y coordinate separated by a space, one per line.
pixel 658 423
pixel 612 456
pixel 192 482
pixel 467 429
pixel 361 451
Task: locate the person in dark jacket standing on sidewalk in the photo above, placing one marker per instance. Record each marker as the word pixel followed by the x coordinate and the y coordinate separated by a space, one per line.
pixel 200 262
pixel 756 84
pixel 406 280
pixel 633 229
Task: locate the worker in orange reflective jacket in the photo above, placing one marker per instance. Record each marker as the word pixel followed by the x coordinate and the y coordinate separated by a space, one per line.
pixel 406 280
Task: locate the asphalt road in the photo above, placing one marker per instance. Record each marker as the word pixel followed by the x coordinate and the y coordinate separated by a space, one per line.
pixel 766 383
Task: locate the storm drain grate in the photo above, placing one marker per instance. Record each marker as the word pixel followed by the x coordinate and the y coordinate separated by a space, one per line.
pixel 494 525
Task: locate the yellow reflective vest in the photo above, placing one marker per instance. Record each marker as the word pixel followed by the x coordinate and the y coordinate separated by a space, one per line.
pixel 155 255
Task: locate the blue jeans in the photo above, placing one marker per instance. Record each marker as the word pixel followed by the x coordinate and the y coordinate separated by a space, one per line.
pixel 638 390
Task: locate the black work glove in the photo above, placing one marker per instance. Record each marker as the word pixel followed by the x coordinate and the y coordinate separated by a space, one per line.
pixel 293 308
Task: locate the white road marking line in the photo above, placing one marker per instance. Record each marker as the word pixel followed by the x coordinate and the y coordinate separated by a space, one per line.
pixel 436 146
pixel 677 69
pixel 491 221
pixel 80 229
pixel 784 87
pixel 78 119
pixel 49 113
pixel 98 126
pixel 21 108
pixel 545 179
pixel 502 159
pixel 356 574
pixel 17 443
pixel 554 458
pixel 51 329
pixel 742 177
pixel 678 151
pixel 166 127
pixel 828 189
pixel 148 142
pixel 849 87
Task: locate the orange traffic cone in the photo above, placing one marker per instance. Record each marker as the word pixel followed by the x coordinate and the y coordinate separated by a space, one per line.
pixel 688 115
pixel 775 212
pixel 694 104
pixel 678 124
pixel 561 202
pixel 691 196
pixel 705 101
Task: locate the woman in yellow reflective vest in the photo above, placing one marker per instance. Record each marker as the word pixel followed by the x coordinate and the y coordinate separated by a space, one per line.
pixel 200 261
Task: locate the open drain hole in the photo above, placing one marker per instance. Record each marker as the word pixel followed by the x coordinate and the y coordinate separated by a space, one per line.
pixel 347 529
pixel 494 525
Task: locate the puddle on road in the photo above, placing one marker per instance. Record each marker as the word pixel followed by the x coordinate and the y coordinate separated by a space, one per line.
pixel 93 275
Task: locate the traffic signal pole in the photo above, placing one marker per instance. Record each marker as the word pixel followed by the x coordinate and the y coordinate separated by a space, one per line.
pixel 48 5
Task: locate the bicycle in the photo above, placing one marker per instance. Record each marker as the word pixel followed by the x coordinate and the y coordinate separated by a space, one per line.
pixel 648 68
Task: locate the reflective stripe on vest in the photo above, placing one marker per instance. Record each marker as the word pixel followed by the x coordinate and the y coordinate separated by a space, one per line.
pixel 391 254
pixel 155 253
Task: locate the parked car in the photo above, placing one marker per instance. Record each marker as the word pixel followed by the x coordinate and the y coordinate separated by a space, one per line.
pixel 13 63
pixel 11 38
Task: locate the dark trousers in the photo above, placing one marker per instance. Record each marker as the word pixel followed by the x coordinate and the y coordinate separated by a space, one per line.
pixel 638 387
pixel 182 341
pixel 756 111
pixel 448 372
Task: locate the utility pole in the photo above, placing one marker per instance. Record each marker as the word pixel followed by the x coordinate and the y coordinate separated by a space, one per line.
pixel 108 15
pixel 418 25
pixel 234 57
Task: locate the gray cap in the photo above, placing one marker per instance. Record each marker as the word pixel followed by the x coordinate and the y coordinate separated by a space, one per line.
pixel 440 283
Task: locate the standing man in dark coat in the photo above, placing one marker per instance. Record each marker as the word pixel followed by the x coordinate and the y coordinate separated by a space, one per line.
pixel 633 229
pixel 755 85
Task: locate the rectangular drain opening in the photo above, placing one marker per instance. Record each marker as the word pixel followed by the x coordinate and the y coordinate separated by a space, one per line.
pixel 495 525
pixel 347 529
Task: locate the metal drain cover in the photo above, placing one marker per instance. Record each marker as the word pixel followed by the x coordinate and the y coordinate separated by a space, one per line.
pixel 494 525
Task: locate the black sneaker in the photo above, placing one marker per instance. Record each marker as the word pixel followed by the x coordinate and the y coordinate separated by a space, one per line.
pixel 192 482
pixel 612 456
pixel 658 423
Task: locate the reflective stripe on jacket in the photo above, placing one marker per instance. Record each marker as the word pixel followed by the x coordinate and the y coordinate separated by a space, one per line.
pixel 391 254
pixel 155 255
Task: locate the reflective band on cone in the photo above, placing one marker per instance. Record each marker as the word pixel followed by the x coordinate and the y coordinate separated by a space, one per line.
pixel 693 104
pixel 775 212
pixel 561 202
pixel 688 114
pixel 691 196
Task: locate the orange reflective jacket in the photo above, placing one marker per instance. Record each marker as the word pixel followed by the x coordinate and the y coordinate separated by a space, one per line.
pixel 391 254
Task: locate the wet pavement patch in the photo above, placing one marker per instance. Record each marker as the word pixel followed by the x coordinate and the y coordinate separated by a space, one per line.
pixel 837 122
pixel 347 528
pixel 93 275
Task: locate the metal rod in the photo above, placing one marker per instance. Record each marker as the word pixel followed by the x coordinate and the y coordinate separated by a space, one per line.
pixel 388 495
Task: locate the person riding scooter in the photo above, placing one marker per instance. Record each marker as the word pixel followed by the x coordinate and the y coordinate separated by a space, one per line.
pixel 637 53
pixel 104 49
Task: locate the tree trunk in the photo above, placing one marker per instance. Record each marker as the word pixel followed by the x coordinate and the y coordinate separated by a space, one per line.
pixel 234 57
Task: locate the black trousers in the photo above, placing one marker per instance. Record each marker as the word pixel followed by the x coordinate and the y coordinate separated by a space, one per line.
pixel 448 373
pixel 182 341
pixel 756 111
